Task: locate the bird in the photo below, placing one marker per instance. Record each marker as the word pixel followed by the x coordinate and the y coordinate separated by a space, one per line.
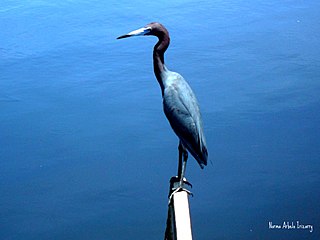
pixel 180 104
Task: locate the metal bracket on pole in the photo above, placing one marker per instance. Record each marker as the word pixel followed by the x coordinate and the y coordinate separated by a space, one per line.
pixel 178 221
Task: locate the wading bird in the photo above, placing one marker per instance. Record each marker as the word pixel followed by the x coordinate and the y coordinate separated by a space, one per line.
pixel 179 103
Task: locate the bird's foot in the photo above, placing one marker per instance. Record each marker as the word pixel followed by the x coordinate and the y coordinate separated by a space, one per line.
pixel 176 186
pixel 174 181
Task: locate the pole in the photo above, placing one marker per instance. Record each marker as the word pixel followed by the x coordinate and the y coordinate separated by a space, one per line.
pixel 178 220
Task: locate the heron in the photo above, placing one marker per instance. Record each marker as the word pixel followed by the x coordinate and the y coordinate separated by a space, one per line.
pixel 180 104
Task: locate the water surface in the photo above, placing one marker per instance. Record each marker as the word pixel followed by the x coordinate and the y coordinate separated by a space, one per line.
pixel 86 151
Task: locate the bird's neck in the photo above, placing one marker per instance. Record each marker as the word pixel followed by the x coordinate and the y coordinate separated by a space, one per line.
pixel 158 58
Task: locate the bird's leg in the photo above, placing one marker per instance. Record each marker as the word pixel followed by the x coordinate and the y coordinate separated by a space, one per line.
pixel 183 164
pixel 180 163
pixel 179 181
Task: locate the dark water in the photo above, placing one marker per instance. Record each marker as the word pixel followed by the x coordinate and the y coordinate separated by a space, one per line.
pixel 86 152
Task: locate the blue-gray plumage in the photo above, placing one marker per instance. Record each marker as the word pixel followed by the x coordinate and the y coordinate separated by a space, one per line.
pixel 182 110
pixel 179 102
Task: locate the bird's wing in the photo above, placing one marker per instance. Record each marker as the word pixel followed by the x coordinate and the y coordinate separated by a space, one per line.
pixel 182 110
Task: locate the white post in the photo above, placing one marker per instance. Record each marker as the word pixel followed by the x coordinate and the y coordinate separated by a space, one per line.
pixel 178 221
pixel 182 215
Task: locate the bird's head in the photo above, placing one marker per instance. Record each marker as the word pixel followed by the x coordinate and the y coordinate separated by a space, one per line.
pixel 154 28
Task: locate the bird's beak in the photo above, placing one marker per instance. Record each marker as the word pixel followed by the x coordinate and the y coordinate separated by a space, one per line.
pixel 138 32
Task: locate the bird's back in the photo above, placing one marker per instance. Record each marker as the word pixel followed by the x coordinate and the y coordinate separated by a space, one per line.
pixel 182 110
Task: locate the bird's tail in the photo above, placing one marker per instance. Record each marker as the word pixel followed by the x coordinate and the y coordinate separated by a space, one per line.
pixel 203 157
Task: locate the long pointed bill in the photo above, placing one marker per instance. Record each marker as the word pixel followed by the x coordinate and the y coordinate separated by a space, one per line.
pixel 138 32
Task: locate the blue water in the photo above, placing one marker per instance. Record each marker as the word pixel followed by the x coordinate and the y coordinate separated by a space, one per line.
pixel 86 151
